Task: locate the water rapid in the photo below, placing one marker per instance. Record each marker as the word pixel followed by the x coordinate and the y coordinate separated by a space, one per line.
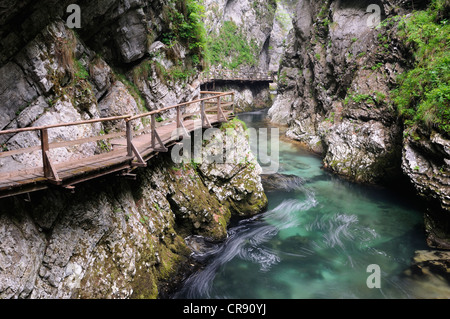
pixel 316 239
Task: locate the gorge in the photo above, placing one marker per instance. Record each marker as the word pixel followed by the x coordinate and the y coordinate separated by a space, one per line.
pixel 370 103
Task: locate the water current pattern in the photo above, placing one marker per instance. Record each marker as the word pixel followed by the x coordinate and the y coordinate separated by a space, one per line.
pixel 316 239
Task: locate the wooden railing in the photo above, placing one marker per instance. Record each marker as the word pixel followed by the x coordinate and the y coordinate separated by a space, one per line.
pixel 50 171
pixel 131 148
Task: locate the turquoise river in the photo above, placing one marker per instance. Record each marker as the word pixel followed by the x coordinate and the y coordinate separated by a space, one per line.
pixel 316 239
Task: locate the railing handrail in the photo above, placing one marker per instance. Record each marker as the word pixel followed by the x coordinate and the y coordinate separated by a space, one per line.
pixel 217 94
pixel 38 128
pixel 128 117
pixel 50 171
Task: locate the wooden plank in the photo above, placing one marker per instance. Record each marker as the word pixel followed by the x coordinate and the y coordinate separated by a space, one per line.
pixel 61 144
pixel 93 164
pixel 32 188
pixel 86 140
pixel 24 171
pixel 20 151
pixel 81 179
pixel 94 158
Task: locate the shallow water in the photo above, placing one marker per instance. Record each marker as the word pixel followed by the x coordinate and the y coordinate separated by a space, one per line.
pixel 316 239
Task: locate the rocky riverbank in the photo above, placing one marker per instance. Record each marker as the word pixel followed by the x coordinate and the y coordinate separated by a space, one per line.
pixel 335 94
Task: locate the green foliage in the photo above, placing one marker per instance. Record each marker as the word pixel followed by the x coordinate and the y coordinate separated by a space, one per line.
pixel 80 70
pixel 230 47
pixel 423 95
pixel 233 124
pixel 186 25
pixel 377 66
pixel 374 98
pixel 178 72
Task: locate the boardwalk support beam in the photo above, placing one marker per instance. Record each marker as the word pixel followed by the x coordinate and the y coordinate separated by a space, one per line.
pixel 140 162
pixel 49 170
pixel 180 124
pixel 220 116
pixel 205 120
pixel 155 136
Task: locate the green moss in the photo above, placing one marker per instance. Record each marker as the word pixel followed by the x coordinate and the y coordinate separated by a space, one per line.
pixel 133 90
pixel 80 70
pixel 233 124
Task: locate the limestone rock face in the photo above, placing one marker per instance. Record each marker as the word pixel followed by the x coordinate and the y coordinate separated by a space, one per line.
pixel 265 24
pixel 117 102
pixel 330 95
pixel 236 178
pixel 334 90
pixel 425 161
pixel 115 238
pixel 112 238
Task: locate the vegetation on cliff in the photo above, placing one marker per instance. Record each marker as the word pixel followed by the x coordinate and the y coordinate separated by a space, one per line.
pixel 186 26
pixel 230 47
pixel 423 95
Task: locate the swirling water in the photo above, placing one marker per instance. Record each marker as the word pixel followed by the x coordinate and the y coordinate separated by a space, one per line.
pixel 316 239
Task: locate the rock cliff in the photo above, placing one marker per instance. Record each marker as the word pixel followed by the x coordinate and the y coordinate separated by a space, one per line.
pixel 112 238
pixel 115 238
pixel 335 94
pixel 252 39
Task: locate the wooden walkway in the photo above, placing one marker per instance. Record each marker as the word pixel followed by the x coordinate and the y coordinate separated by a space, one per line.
pixel 237 76
pixel 129 149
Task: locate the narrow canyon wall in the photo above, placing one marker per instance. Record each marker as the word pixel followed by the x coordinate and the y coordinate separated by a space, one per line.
pixel 335 86
pixel 118 238
pixel 112 238
pixel 264 25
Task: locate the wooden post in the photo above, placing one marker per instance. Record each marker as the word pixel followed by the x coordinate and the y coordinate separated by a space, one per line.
pixel 49 170
pixel 153 123
pixel 45 149
pixel 129 139
pixel 155 136
pixel 232 101
pixel 205 120
pixel 202 112
pixel 218 108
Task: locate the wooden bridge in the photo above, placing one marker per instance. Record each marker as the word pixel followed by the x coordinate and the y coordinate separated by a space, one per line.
pixel 237 76
pixel 130 148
